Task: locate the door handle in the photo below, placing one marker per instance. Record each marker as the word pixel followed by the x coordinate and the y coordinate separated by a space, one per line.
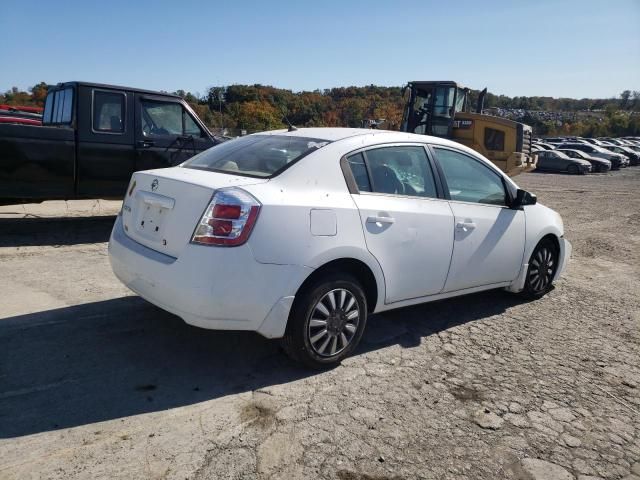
pixel 465 226
pixel 145 143
pixel 374 219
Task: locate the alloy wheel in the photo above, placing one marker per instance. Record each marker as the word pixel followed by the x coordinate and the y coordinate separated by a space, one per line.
pixel 542 270
pixel 333 323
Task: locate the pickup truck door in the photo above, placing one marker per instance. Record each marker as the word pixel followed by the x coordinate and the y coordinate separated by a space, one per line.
pixel 105 152
pixel 489 236
pixel 167 133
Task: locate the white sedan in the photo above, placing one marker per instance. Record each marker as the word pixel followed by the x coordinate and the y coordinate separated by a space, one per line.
pixel 301 235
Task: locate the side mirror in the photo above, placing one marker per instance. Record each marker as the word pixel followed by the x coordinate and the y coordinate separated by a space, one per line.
pixel 523 198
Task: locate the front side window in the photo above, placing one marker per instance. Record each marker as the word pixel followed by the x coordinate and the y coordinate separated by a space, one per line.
pixel 159 118
pixel 108 112
pixel 401 171
pixel 494 139
pixel 190 125
pixel 167 118
pixel 469 180
pixel 255 155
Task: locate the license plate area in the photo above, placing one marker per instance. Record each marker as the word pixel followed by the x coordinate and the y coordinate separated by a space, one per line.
pixel 153 210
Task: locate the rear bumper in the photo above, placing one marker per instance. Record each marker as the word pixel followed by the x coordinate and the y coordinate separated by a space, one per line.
pixel 209 287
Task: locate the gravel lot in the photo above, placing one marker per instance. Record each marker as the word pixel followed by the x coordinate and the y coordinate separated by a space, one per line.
pixel 96 383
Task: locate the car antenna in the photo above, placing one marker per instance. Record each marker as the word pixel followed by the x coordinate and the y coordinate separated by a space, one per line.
pixel 292 128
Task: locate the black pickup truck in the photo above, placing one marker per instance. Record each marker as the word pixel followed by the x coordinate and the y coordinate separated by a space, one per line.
pixel 92 138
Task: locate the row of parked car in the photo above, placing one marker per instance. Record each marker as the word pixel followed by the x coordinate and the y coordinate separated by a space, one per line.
pixel 580 155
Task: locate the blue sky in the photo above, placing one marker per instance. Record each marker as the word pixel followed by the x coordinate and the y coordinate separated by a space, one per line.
pixel 560 48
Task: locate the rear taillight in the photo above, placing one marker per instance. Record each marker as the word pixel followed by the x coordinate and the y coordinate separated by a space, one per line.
pixel 228 220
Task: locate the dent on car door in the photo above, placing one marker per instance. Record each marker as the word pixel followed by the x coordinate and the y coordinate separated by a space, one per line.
pixel 407 228
pixel 489 237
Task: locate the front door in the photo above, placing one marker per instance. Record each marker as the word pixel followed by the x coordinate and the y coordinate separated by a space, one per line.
pixel 488 245
pixel 407 228
pixel 167 134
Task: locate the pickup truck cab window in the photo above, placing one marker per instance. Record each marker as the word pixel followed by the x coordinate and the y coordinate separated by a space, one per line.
pixel 48 109
pixel 167 118
pixel 58 108
pixel 469 180
pixel 190 125
pixel 108 112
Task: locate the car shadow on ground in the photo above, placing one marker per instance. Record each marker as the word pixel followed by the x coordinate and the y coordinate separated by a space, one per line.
pixel 37 231
pixel 112 359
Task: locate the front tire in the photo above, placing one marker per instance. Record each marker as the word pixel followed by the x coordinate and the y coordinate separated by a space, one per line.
pixel 326 321
pixel 543 265
pixel 573 170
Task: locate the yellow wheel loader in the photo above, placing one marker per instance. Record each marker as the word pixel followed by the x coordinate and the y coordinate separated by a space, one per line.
pixel 441 109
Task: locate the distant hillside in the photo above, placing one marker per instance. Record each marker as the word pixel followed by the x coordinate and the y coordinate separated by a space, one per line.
pixel 259 107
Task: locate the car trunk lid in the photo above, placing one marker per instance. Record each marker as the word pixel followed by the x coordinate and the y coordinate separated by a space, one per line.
pixel 162 207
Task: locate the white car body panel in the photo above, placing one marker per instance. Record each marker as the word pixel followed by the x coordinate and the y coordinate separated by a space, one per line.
pixel 419 225
pixel 309 218
pixel 488 245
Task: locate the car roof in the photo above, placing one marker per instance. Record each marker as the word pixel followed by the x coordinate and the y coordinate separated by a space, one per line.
pixel 334 134
pixel 569 150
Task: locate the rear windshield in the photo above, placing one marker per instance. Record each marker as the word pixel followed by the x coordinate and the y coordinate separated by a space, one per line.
pixel 255 155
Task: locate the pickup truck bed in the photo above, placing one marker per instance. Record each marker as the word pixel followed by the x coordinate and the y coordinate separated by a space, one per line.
pixel 36 157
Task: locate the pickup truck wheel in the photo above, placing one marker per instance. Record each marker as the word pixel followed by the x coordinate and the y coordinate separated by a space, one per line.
pixel 326 322
pixel 543 265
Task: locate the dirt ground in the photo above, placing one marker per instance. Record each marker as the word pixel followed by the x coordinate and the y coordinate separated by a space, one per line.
pixel 95 383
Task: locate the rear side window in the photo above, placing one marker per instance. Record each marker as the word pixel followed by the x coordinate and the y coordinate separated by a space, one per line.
pixel 108 112
pixel 469 180
pixel 48 108
pixel 401 171
pixel 256 155
pixel 359 170
pixel 58 108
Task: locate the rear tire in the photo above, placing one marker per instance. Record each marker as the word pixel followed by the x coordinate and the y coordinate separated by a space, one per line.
pixel 326 321
pixel 543 266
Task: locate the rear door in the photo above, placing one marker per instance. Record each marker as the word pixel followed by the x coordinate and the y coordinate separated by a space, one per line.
pixel 105 141
pixel 489 237
pixel 166 133
pixel 407 227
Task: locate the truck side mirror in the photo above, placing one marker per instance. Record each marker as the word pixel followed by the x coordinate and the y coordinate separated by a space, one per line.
pixel 523 198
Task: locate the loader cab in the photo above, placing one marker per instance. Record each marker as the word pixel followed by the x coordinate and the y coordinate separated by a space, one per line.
pixel 431 107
